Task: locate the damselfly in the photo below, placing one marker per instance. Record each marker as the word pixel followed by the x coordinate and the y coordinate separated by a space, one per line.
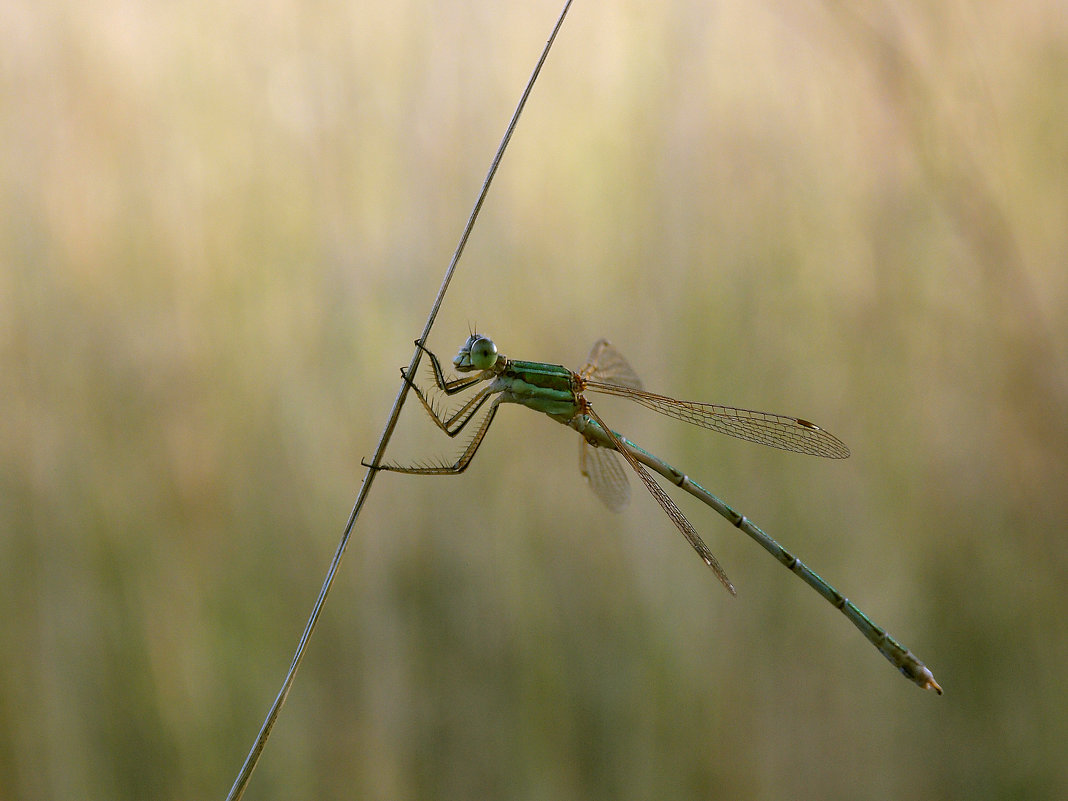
pixel 561 394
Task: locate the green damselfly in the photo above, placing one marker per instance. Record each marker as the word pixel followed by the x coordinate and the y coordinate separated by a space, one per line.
pixel 561 393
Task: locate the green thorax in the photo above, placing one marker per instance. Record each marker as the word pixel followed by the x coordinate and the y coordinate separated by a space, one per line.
pixel 548 388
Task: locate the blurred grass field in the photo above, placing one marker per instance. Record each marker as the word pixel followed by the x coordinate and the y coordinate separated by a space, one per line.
pixel 221 226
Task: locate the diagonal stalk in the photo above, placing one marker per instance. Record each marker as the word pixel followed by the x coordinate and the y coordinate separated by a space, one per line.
pixel 241 782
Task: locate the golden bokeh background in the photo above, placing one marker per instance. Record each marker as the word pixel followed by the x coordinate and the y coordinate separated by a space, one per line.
pixel 222 225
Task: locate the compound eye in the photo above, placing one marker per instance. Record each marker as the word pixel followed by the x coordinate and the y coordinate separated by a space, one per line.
pixel 483 353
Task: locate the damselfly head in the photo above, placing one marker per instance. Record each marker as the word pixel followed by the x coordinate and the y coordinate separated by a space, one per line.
pixel 478 353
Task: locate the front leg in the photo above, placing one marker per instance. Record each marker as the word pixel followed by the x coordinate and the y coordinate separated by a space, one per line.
pixel 449 387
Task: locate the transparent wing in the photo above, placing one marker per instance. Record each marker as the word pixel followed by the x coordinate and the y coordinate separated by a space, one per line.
pixel 601 466
pixel 764 428
pixel 605 475
pixel 668 505
pixel 607 364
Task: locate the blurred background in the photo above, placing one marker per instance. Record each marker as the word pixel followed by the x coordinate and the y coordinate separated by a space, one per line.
pixel 221 227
